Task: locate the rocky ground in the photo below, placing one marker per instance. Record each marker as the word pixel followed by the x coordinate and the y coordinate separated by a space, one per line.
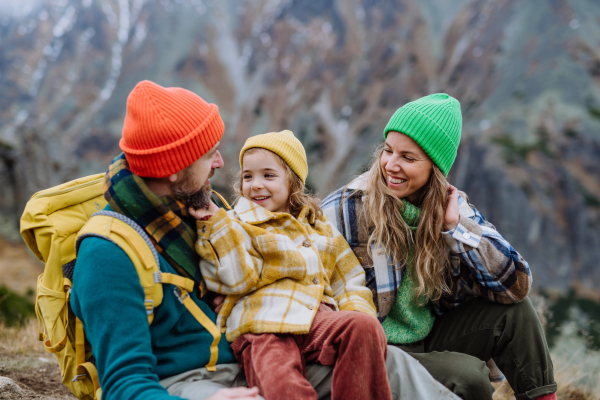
pixel 43 383
pixel 26 370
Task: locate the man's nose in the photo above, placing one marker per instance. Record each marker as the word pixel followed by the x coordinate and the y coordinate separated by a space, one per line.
pixel 218 161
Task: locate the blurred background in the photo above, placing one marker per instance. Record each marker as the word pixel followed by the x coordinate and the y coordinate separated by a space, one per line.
pixel 527 74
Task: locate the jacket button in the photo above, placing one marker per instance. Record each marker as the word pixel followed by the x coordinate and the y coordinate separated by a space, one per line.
pixel 466 235
pixel 204 229
pixel 306 243
pixel 316 281
pixel 360 260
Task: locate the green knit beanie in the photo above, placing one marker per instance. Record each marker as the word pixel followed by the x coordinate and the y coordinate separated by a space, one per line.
pixel 434 122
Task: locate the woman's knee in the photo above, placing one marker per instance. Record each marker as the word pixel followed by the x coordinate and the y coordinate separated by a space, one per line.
pixel 466 376
pixel 518 317
pixel 475 386
pixel 524 310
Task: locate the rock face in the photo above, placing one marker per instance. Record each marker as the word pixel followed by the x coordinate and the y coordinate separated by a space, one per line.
pixel 9 389
pixel 526 74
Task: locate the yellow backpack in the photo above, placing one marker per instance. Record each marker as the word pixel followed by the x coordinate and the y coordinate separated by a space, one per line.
pixel 54 222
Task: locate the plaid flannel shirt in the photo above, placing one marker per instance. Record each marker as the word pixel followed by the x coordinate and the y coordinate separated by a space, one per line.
pixel 276 269
pixel 483 263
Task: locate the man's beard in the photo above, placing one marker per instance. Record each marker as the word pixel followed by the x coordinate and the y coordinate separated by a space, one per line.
pixel 186 192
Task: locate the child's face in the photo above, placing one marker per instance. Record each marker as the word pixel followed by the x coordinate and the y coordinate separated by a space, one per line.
pixel 264 180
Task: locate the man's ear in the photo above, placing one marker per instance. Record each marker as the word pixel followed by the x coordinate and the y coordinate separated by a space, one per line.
pixel 173 178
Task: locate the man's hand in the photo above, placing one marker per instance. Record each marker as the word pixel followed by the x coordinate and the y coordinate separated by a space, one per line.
pixel 451 217
pixel 203 214
pixel 239 393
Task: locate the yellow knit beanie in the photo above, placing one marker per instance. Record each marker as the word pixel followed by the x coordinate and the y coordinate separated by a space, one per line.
pixel 285 145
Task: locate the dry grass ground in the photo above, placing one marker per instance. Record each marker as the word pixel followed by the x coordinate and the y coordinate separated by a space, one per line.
pixel 19 268
pixel 23 359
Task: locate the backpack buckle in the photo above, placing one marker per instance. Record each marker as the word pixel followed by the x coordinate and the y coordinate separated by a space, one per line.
pixel 181 298
pixel 149 306
pixel 157 277
pixel 79 377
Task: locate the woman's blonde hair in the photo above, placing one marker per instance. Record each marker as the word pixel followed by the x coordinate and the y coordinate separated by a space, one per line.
pixel 383 211
pixel 299 194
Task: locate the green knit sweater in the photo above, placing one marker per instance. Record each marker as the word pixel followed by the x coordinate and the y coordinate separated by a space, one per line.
pixel 408 322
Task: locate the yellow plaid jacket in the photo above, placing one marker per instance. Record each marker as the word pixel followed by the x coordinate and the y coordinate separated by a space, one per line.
pixel 276 269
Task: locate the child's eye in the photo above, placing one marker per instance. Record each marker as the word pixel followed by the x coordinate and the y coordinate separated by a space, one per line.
pixel 269 175
pixel 247 177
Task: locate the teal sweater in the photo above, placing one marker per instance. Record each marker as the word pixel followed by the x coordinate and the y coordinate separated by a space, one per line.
pixel 131 356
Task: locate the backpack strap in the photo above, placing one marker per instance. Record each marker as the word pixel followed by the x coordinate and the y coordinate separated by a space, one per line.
pixel 130 237
pixel 136 243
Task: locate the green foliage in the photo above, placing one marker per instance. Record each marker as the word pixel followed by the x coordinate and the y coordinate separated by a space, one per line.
pixel 583 312
pixel 589 199
pixel 592 107
pixel 15 309
pixel 515 152
pixel 527 189
pixel 593 110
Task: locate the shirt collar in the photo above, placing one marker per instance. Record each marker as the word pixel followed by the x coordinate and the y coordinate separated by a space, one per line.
pixel 252 213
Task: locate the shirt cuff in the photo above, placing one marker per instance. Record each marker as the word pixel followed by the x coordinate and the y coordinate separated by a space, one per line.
pixel 464 237
pixel 204 228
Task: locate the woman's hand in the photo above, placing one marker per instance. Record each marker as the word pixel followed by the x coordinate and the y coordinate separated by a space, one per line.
pixel 204 214
pixel 451 217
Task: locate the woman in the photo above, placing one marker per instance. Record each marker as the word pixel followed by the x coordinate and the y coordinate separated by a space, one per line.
pixel 449 289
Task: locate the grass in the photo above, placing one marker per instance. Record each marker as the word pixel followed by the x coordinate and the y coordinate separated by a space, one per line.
pixel 20 348
pixel 14 308
pixel 576 315
pixel 20 339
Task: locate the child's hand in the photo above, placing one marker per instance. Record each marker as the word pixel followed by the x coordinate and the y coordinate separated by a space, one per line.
pixel 204 214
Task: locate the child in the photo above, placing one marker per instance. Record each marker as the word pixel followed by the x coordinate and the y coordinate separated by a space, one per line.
pixel 284 269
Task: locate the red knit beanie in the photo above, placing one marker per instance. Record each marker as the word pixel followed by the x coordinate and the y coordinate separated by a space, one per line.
pixel 167 129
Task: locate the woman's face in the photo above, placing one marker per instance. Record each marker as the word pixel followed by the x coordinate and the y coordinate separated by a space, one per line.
pixel 406 166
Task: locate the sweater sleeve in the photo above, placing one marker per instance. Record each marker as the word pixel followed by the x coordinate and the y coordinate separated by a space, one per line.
pixel 108 298
pixel 230 263
pixel 495 270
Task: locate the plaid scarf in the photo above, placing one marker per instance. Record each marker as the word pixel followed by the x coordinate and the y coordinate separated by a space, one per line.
pixel 165 219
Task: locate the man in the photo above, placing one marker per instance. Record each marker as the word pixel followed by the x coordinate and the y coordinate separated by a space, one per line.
pixel 170 143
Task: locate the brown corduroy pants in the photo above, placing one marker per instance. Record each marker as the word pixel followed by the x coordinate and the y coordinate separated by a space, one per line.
pixel 351 341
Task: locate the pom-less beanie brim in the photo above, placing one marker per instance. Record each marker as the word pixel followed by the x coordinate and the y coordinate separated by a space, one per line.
pixel 167 129
pixel 285 145
pixel 434 122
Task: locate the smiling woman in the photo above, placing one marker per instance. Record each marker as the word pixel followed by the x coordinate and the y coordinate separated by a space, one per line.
pixel 448 288
pixel 406 165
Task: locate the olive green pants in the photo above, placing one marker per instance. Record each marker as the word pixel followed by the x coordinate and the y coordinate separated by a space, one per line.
pixel 464 338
